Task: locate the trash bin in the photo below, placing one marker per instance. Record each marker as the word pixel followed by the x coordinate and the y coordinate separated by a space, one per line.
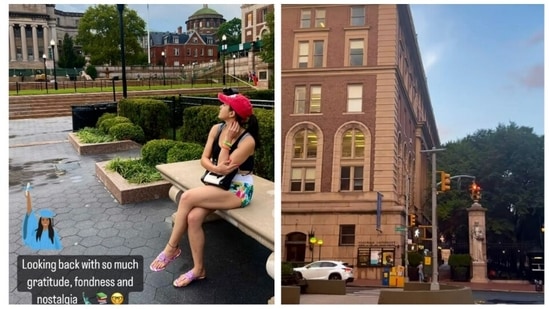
pixel 87 115
pixel 385 274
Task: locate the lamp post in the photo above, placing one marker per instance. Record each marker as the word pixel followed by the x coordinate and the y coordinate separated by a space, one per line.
pixel 434 240
pixel 223 49
pixel 45 72
pixel 319 242
pixel 122 50
pixel 312 242
pixel 164 68
pixel 192 75
pixel 234 67
pixel 52 43
pixel 253 56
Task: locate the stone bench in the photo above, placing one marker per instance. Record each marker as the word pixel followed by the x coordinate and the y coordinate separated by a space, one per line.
pixel 255 220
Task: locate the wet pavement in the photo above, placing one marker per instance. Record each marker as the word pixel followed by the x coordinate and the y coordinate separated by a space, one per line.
pixel 91 222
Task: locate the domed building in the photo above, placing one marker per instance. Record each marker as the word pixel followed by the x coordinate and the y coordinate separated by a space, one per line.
pixel 204 21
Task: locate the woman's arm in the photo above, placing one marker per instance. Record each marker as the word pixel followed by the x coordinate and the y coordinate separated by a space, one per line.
pixel 206 154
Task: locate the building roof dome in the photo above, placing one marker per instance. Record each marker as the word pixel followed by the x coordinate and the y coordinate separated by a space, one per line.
pixel 205 11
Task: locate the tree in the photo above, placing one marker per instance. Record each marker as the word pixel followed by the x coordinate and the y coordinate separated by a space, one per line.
pixel 508 164
pixel 267 50
pixel 68 58
pixel 232 29
pixel 99 35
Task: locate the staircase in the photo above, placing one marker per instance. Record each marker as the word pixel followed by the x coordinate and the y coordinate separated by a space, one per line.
pixel 58 105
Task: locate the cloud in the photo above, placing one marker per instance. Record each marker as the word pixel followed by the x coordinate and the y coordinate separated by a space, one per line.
pixel 532 77
pixel 535 39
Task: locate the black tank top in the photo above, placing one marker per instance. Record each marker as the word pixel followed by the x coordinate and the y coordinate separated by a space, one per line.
pixel 247 165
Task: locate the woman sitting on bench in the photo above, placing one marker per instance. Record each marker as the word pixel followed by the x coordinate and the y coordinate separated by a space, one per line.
pixel 230 148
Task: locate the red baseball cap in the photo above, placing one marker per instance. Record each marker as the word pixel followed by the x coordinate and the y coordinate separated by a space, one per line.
pixel 239 103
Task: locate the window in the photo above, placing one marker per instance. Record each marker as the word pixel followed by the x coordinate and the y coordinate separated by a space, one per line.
pixel 303 56
pixel 305 18
pixel 299 100
pixel 176 51
pixel 356 52
pixel 352 161
pixel 320 18
pixel 357 16
pixel 188 51
pixel 303 180
pixel 315 99
pixel 210 52
pixel 353 144
pixel 303 171
pixel 249 19
pixel 347 235
pixel 176 40
pixel 305 144
pixel 354 98
pixel 318 56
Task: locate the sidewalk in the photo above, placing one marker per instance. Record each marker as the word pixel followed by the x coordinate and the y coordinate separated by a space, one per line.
pixel 493 285
pixel 90 222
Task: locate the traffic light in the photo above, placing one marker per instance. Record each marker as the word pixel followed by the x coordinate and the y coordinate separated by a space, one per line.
pixel 475 191
pixel 412 220
pixel 444 182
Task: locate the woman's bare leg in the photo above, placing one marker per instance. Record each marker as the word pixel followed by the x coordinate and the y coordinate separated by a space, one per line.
pixel 207 197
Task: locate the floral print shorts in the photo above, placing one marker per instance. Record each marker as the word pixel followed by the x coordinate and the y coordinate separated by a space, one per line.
pixel 243 187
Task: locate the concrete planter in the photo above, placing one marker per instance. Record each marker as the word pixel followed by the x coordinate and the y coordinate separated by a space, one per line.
pixel 125 192
pixel 100 148
pixel 290 294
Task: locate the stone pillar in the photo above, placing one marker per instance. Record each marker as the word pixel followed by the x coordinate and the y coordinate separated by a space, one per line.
pixel 13 56
pixel 35 44
pixel 23 29
pixel 477 242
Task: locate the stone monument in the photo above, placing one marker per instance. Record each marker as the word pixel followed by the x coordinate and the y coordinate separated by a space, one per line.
pixel 477 239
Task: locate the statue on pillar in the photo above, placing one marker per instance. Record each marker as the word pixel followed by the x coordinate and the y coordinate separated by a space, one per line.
pixel 478 237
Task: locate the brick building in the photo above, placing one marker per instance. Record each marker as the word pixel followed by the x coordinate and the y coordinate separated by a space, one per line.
pixel 356 115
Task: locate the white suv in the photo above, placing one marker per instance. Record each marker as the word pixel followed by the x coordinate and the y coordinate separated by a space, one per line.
pixel 330 270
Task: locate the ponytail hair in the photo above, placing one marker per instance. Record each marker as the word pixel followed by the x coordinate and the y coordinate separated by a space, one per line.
pixel 252 126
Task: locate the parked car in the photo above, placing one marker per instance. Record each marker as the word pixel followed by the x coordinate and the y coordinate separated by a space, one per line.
pixel 324 269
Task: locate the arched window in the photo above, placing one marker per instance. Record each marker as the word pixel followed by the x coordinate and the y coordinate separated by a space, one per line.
pixel 351 158
pixel 302 162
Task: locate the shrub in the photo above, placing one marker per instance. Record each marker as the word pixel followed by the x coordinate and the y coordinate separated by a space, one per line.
pixel 197 122
pixel 414 258
pixel 150 114
pixel 184 152
pixel 103 117
pixel 106 124
pixel 155 152
pixel 92 136
pixel 91 71
pixel 457 260
pixel 127 131
pixel 134 170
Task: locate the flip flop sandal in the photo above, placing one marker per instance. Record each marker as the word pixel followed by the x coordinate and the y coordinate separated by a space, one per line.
pixel 189 276
pixel 164 259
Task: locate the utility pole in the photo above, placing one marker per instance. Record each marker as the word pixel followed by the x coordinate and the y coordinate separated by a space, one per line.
pixel 434 238
pixel 406 278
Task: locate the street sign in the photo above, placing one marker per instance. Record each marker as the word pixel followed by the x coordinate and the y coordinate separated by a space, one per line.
pixel 400 229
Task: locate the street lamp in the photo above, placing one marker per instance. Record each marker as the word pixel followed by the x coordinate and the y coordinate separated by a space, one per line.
pixel 52 43
pixel 234 66
pixel 223 49
pixel 192 75
pixel 319 242
pixel 312 242
pixel 164 67
pixel 122 49
pixel 45 72
pixel 253 56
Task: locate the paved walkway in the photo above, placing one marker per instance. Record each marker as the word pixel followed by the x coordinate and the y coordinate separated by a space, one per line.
pixel 91 222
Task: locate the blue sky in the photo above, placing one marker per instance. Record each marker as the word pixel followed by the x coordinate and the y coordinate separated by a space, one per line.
pixel 484 65
pixel 165 17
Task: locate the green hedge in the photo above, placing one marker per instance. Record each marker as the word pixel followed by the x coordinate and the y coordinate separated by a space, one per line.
pixel 149 114
pixel 198 120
